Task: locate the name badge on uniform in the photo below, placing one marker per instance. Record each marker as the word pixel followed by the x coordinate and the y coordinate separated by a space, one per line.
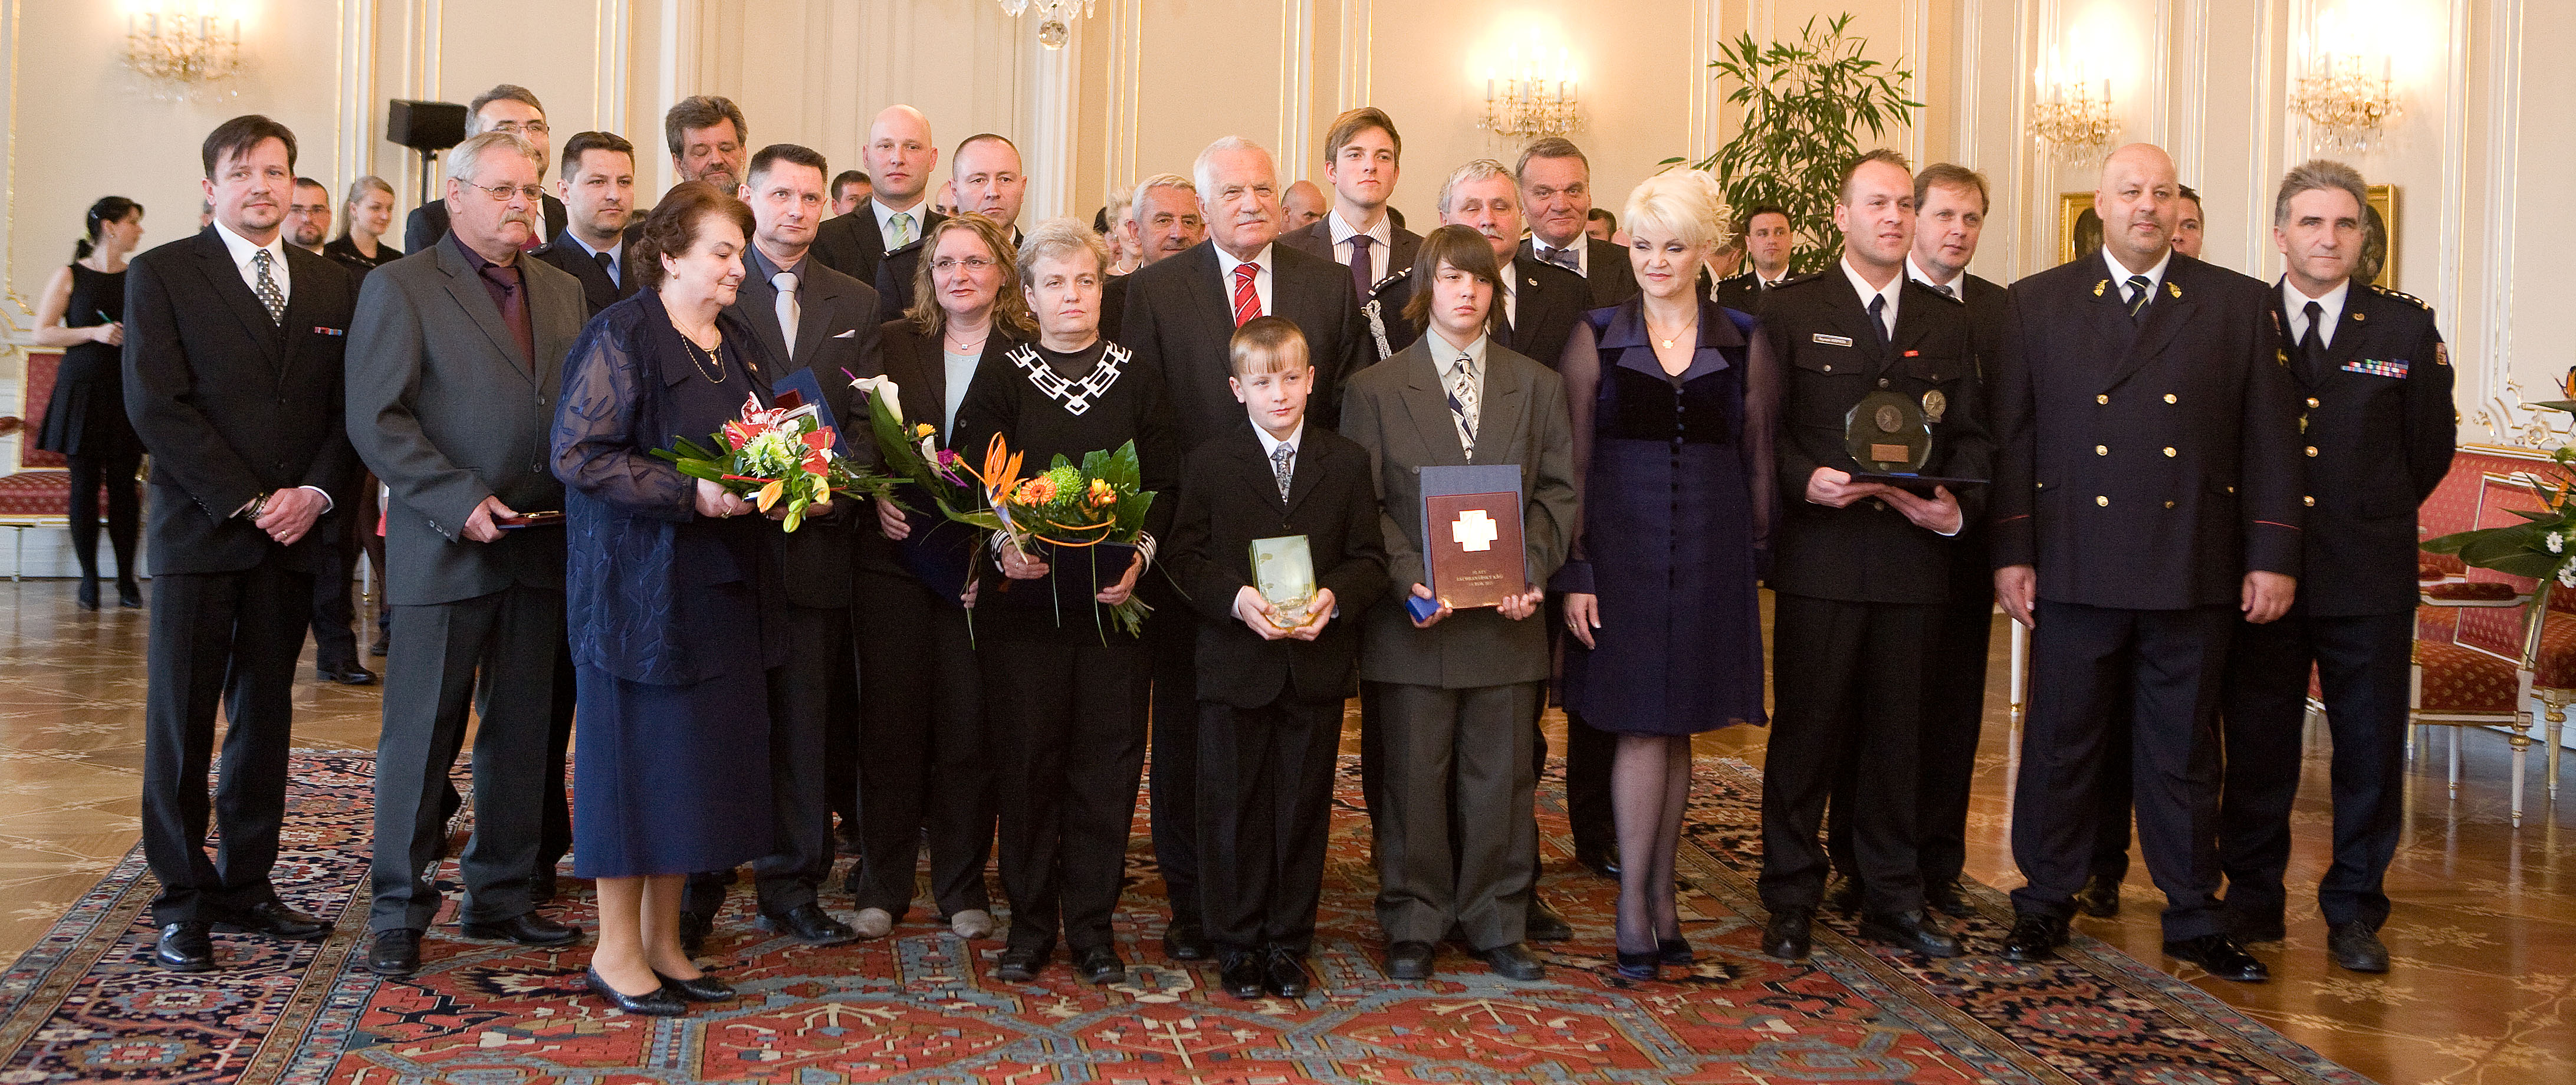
pixel 2377 368
pixel 1833 340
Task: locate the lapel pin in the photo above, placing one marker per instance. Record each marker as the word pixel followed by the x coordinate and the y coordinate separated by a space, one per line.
pixel 2359 317
pixel 2098 287
pixel 2173 290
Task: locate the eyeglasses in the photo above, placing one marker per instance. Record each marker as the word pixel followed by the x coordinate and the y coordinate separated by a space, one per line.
pixel 500 193
pixel 531 128
pixel 946 264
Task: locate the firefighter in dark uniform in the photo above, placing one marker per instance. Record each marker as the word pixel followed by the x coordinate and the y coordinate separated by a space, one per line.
pixel 2148 496
pixel 2374 381
pixel 1861 569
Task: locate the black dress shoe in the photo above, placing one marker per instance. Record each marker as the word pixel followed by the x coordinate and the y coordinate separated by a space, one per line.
pixel 1603 861
pixel 2034 937
pixel 2100 897
pixel 1242 972
pixel 278 921
pixel 1919 932
pixel 2221 956
pixel 525 928
pixel 1845 896
pixel 1100 965
pixel 1785 936
pixel 1409 961
pixel 353 675
pixel 1638 966
pixel 694 929
pixel 809 924
pixel 705 988
pixel 1021 964
pixel 1186 942
pixel 541 889
pixel 129 595
pixel 1287 973
pixel 1675 951
pixel 2248 930
pixel 1512 962
pixel 1946 897
pixel 184 947
pixel 1544 925
pixel 658 1002
pixel 2355 946
pixel 382 645
pixel 395 952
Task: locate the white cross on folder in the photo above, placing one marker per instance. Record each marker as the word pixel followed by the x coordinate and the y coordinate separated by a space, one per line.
pixel 1475 531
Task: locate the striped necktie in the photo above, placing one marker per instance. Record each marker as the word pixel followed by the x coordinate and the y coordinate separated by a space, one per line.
pixel 1247 301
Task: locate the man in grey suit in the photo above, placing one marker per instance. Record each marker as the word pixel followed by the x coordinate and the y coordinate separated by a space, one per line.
pixel 454 364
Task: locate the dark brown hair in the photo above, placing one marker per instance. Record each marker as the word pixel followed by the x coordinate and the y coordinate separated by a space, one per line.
pixel 1460 247
pixel 794 154
pixel 241 135
pixel 1951 175
pixel 583 143
pixel 701 111
pixel 673 227
pixel 1842 192
pixel 1351 123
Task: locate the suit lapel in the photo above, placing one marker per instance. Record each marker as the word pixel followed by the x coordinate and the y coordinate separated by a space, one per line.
pixel 465 285
pixel 811 322
pixel 1428 406
pixel 2113 331
pixel 2350 329
pixel 759 304
pixel 224 277
pixel 2166 317
pixel 1401 252
pixel 296 325
pixel 1210 294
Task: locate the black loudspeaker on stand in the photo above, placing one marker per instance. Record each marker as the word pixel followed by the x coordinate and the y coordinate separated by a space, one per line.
pixel 427 127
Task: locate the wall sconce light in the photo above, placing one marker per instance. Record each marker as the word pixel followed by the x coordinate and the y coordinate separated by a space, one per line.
pixel 183 49
pixel 1530 97
pixel 1052 32
pixel 2071 113
pixel 2347 99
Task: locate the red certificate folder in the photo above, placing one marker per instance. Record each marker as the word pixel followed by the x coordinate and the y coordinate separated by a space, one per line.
pixel 1471 534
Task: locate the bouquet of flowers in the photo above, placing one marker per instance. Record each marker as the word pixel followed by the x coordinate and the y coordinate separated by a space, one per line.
pixel 772 455
pixel 912 454
pixel 1097 509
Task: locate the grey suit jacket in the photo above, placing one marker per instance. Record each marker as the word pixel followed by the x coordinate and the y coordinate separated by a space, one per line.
pixel 1398 411
pixel 444 408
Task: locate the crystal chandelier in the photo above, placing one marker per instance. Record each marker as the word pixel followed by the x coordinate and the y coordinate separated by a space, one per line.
pixel 1526 101
pixel 183 51
pixel 2347 99
pixel 2071 111
pixel 1052 31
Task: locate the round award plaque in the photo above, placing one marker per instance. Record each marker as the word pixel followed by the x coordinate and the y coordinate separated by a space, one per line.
pixel 1888 434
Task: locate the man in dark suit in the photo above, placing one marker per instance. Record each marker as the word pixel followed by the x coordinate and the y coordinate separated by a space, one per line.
pixel 2148 490
pixel 1556 189
pixel 598 187
pixel 1166 221
pixel 900 158
pixel 2375 380
pixel 233 343
pixel 507 107
pixel 1861 568
pixel 985 173
pixel 1768 240
pixel 806 317
pixel 1361 156
pixel 459 356
pixel 1180 315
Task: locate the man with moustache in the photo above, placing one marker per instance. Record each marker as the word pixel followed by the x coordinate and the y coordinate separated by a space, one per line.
pixel 1303 206
pixel 985 173
pixel 308 215
pixel 2149 494
pixel 1164 217
pixel 1768 240
pixel 507 107
pixel 1362 153
pixel 2375 382
pixel 708 140
pixel 900 157
pixel 1860 568
pixel 1556 188
pixel 458 359
pixel 598 187
pixel 1180 317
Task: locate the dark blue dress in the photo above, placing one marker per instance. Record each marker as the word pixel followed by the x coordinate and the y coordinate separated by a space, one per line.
pixel 1677 505
pixel 674 617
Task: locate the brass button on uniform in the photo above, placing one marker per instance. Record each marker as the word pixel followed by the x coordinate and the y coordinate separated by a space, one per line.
pixel 2312 401
pixel 2101 399
pixel 1829 369
pixel 2310 501
pixel 2312 450
pixel 2101 450
pixel 2170 453
pixel 2169 398
pixel 2231 489
pixel 1882 382
pixel 2102 501
pixel 2168 504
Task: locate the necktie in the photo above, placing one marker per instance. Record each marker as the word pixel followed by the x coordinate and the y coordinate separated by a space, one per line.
pixel 1462 402
pixel 270 297
pixel 902 223
pixel 1279 458
pixel 514 309
pixel 1563 258
pixel 788 311
pixel 1363 267
pixel 607 267
pixel 2312 344
pixel 1247 301
pixel 1878 320
pixel 1946 292
pixel 2140 291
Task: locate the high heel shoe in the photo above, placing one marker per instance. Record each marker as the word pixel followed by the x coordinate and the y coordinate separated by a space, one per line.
pixel 1638 966
pixel 1674 951
pixel 705 988
pixel 659 1002
pixel 129 595
pixel 89 593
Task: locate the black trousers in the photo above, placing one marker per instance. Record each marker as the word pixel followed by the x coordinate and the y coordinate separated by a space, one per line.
pixel 1848 686
pixel 1945 743
pixel 335 640
pixel 801 706
pixel 1068 721
pixel 2170 666
pixel 1265 818
pixel 2112 803
pixel 228 639
pixel 504 643
pixel 1455 831
pixel 2363 663
pixel 114 474
pixel 1173 636
pixel 930 761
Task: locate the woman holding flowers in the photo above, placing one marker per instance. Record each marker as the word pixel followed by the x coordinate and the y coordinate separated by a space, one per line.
pixel 1064 683
pixel 921 709
pixel 673 591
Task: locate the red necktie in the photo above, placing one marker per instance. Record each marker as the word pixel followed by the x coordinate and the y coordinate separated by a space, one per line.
pixel 1247 302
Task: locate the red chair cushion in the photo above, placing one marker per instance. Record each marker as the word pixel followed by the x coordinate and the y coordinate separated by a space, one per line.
pixel 36 493
pixel 34 397
pixel 2458 679
pixel 2471 592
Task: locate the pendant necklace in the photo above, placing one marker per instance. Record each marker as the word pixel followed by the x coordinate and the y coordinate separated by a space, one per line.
pixel 717 377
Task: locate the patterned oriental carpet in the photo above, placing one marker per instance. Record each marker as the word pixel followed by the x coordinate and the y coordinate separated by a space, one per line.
pixel 87 1004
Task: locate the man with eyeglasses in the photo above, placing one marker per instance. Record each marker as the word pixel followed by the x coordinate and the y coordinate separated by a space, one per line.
pixel 988 180
pixel 507 107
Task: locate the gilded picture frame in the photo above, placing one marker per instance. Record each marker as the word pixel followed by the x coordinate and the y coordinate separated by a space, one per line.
pixel 2379 238
pixel 2079 230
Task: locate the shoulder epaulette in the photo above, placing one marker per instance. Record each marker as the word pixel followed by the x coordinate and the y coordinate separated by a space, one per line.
pixel 2401 296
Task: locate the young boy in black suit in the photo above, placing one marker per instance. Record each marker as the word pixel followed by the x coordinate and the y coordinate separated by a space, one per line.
pixel 1271 682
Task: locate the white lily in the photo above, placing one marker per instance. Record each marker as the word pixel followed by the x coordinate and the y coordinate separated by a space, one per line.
pixel 882 386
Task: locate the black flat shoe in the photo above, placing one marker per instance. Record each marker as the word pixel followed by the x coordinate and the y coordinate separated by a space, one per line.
pixel 1512 962
pixel 1241 973
pixel 1919 932
pixel 2356 947
pixel 1409 961
pixel 394 952
pixel 705 988
pixel 1544 925
pixel 185 947
pixel 2221 956
pixel 1786 935
pixel 1018 965
pixel 129 595
pixel 1287 973
pixel 527 929
pixel 278 921
pixel 1639 966
pixel 1186 942
pixel 88 593
pixel 2100 897
pixel 658 1002
pixel 2034 937
pixel 809 924
pixel 1674 951
pixel 1100 965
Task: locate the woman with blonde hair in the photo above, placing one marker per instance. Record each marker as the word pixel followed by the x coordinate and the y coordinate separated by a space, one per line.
pixel 365 214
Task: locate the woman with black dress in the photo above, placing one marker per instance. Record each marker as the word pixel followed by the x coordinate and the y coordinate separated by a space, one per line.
pixel 364 217
pixel 1065 687
pixel 83 314
pixel 1673 398
pixel 673 595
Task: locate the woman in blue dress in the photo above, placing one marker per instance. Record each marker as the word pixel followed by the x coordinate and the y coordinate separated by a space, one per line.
pixel 674 591
pixel 1673 398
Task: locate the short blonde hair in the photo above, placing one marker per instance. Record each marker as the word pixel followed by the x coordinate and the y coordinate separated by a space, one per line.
pixel 1057 238
pixel 1266 344
pixel 1685 203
